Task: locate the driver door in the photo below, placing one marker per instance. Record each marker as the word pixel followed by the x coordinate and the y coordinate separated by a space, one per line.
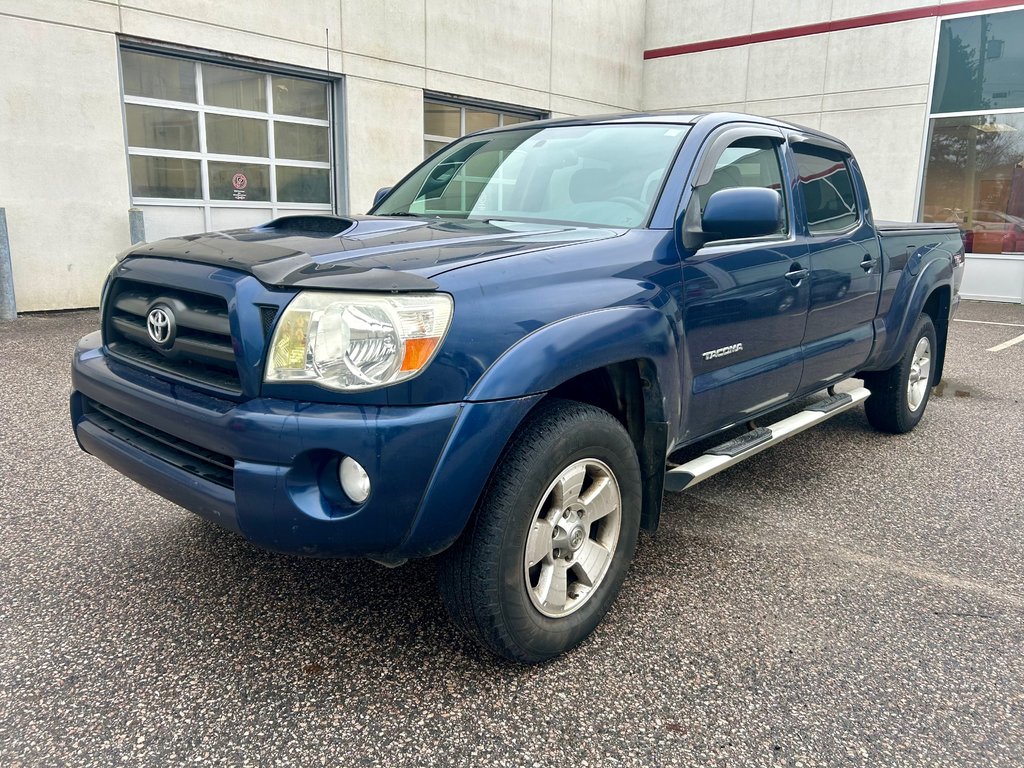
pixel 745 302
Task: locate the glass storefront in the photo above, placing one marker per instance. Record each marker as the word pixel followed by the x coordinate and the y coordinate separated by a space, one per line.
pixel 974 171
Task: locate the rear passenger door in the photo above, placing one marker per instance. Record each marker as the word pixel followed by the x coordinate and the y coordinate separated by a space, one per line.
pixel 744 301
pixel 845 264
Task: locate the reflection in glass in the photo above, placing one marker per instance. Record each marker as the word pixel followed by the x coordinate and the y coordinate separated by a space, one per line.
pixel 827 189
pixel 296 141
pixel 608 175
pixel 303 185
pixel 165 177
pixel 301 98
pixel 234 88
pixel 228 135
pixel 979 63
pixel 974 177
pixel 161 128
pixel 239 181
pixel 158 77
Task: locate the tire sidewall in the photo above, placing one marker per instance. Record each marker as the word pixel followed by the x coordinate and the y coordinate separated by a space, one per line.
pixel 601 439
pixel 924 328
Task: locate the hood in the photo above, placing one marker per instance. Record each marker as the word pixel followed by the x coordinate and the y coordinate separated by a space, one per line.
pixel 365 252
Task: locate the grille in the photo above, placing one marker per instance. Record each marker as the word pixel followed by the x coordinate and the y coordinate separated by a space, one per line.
pixel 199 349
pixel 267 316
pixel 215 467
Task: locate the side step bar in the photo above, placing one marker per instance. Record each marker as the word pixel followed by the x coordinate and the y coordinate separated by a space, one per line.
pixel 743 447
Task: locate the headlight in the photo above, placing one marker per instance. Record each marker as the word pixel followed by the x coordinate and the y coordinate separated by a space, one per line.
pixel 353 341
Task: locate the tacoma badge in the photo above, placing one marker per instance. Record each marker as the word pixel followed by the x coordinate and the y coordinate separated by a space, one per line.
pixel 722 351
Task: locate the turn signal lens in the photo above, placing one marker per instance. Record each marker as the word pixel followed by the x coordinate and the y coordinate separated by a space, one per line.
pixel 418 352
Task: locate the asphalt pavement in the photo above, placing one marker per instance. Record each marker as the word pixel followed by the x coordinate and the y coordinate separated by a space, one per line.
pixel 846 598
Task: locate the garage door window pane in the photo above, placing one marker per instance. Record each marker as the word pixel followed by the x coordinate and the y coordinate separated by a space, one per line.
pixel 477 120
pixel 300 98
pixel 165 177
pixel 303 185
pixel 449 121
pixel 239 181
pixel 225 146
pixel 234 88
pixel 441 120
pixel 160 128
pixel 158 77
pixel 227 135
pixel 295 141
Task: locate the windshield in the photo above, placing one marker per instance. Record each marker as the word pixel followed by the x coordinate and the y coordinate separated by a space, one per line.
pixel 605 175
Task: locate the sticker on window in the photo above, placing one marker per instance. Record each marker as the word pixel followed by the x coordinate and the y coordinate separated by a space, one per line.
pixel 239 182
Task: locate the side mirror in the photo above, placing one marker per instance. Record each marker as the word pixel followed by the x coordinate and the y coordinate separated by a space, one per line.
pixel 741 212
pixel 380 195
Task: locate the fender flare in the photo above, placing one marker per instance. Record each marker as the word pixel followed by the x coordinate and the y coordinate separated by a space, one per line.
pixel 514 384
pixel 562 350
pixel 936 274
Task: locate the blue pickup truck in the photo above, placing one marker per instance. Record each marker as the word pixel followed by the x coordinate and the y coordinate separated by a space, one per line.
pixel 495 365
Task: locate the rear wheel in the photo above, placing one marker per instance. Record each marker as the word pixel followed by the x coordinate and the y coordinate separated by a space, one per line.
pixel 551 540
pixel 900 394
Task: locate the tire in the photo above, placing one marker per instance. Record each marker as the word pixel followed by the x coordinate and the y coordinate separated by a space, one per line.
pixel 900 394
pixel 567 485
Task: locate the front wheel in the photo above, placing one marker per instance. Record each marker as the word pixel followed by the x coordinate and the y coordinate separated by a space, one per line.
pixel 899 395
pixel 551 540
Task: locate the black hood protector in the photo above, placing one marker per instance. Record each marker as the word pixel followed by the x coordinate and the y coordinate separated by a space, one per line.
pixel 364 252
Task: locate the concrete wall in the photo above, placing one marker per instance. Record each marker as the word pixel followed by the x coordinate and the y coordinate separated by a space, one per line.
pixel 868 86
pixel 64 177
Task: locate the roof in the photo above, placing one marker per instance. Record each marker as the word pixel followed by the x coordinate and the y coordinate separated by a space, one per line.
pixel 678 117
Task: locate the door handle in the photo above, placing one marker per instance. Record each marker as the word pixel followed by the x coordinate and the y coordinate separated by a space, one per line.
pixel 796 274
pixel 868 262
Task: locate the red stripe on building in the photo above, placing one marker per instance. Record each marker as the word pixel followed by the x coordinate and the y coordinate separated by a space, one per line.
pixel 856 22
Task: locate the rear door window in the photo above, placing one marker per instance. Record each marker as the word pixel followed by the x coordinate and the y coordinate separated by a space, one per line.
pixel 827 189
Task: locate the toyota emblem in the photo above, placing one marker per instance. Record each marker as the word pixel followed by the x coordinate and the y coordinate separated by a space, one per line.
pixel 160 324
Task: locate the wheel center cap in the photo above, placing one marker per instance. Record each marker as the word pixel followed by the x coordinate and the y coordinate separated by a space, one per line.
pixel 576 538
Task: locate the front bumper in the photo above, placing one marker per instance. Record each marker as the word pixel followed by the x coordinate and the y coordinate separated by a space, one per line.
pixel 282 493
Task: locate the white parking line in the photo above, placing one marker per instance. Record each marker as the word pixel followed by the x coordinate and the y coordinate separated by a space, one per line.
pixel 988 322
pixel 1005 344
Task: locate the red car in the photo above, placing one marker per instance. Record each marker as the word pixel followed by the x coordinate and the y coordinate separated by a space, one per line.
pixel 995 232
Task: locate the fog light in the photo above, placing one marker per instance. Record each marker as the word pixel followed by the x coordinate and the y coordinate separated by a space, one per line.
pixel 354 480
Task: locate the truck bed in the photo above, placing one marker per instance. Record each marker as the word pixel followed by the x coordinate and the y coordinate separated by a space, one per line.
pixel 893 227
